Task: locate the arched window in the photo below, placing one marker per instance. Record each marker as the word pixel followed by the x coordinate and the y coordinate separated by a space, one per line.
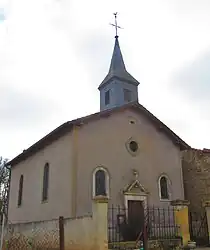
pixel 100 182
pixel 164 188
pixel 20 191
pixel 45 182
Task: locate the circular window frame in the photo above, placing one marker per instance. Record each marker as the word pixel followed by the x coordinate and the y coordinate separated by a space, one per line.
pixel 133 153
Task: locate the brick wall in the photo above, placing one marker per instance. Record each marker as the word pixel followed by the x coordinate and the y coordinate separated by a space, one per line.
pixel 196 176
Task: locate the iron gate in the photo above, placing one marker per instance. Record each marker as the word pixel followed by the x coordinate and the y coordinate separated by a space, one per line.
pixel 158 224
pixel 199 228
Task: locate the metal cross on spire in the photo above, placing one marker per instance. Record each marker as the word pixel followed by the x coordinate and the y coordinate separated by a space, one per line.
pixel 115 25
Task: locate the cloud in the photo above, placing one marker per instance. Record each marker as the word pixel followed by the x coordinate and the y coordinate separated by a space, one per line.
pixel 191 85
pixel 194 78
pixel 193 82
pixel 19 109
pixel 91 52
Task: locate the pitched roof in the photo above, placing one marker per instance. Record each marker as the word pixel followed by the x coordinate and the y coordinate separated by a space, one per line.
pixel 117 68
pixel 68 126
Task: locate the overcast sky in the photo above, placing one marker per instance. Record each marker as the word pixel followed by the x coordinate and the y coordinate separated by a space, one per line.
pixel 55 53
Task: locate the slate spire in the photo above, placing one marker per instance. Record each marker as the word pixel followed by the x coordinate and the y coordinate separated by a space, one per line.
pixel 117 67
pixel 117 62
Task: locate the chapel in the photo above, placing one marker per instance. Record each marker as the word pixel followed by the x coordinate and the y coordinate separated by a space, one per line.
pixel 123 152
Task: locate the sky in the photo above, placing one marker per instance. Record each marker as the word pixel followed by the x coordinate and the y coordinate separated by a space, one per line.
pixel 55 53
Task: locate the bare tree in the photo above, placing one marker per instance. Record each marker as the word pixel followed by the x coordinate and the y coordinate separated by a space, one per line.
pixel 4 185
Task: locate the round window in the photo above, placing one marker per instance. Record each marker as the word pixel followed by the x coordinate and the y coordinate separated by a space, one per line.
pixel 133 145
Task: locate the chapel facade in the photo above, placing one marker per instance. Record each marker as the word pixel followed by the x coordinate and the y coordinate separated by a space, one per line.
pixel 123 152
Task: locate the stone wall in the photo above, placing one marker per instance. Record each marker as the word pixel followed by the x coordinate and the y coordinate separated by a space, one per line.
pixel 78 233
pixel 85 232
pixel 196 176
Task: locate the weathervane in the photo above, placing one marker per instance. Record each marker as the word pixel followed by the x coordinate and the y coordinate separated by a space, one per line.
pixel 115 25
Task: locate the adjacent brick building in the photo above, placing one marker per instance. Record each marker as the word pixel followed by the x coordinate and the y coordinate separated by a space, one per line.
pixel 196 175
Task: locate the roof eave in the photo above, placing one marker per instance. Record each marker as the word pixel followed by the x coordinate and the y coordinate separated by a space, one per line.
pixel 55 134
pixel 106 81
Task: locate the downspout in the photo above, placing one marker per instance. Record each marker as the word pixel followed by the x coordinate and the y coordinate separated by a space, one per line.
pixel 74 170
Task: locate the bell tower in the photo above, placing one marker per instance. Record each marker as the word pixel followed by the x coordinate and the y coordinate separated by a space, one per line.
pixel 118 87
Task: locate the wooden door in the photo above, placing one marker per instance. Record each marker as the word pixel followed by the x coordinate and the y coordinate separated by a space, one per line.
pixel 135 218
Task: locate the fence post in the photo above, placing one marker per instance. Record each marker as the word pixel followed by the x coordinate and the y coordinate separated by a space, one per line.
pixel 182 219
pixel 206 204
pixel 145 237
pixel 100 210
pixel 61 232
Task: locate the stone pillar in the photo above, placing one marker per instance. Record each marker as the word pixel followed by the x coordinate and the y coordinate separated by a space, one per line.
pixel 206 204
pixel 100 218
pixel 182 219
